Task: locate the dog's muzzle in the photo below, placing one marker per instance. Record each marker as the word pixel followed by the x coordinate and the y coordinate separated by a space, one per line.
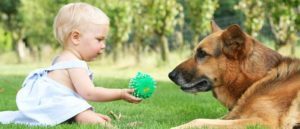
pixel 194 85
pixel 173 76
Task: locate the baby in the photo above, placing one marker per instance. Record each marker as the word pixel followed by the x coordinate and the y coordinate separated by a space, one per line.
pixel 59 93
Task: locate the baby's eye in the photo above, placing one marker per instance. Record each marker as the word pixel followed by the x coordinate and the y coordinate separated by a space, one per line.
pixel 100 39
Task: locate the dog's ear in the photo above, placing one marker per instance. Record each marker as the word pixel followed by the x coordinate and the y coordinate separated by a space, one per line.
pixel 234 41
pixel 214 26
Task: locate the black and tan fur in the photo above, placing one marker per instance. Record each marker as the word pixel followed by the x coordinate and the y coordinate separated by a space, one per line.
pixel 256 84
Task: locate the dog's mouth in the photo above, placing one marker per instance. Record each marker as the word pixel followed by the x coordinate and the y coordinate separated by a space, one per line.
pixel 201 85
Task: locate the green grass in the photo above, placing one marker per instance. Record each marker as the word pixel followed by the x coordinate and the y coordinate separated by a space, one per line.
pixel 168 107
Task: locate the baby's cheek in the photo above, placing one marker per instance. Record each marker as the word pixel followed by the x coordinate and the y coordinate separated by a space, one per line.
pixel 98 49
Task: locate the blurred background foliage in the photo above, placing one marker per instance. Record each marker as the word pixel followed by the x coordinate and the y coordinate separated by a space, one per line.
pixel 140 27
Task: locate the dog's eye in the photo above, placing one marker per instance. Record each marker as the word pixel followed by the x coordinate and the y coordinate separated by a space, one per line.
pixel 201 54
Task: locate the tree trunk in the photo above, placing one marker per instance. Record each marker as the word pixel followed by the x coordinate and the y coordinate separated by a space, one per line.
pixel 276 46
pixel 116 52
pixel 195 41
pixel 294 41
pixel 164 48
pixel 20 46
pixel 179 40
pixel 293 46
pixel 137 47
pixel 21 50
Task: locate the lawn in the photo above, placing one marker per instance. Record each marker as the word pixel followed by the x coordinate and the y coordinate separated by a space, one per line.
pixel 168 107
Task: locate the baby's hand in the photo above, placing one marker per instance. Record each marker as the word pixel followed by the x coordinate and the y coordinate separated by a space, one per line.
pixel 126 94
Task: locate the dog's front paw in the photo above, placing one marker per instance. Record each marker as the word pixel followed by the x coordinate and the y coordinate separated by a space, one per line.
pixel 197 123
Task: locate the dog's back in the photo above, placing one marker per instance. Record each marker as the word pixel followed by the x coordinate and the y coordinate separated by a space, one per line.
pixel 274 98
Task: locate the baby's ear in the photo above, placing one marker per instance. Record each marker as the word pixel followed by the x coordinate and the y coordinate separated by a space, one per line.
pixel 234 41
pixel 75 37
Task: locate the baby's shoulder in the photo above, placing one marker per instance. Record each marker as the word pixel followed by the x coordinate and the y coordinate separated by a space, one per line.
pixel 67 64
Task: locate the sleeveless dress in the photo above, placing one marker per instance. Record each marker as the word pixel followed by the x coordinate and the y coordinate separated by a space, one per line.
pixel 43 101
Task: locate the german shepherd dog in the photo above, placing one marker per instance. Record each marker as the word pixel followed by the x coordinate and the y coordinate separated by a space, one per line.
pixel 255 83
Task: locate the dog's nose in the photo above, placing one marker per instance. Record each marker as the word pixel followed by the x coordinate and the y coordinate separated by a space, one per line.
pixel 173 75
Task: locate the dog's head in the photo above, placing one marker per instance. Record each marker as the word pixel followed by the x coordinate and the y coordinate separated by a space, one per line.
pixel 225 57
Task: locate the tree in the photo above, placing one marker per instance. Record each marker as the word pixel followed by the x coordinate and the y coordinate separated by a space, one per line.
pixel 141 27
pixel 282 16
pixel 199 13
pixel 38 17
pixel 255 16
pixel 163 14
pixel 226 9
pixel 12 23
pixel 120 14
pixel 5 41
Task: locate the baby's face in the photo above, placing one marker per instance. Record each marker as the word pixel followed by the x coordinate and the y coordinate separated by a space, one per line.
pixel 92 41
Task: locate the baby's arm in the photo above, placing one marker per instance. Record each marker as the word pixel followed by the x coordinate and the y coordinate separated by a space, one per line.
pixel 85 88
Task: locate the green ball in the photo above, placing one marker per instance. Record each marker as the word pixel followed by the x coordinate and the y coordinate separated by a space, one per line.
pixel 143 84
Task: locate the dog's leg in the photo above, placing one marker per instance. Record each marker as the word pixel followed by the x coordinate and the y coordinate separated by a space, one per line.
pixel 222 124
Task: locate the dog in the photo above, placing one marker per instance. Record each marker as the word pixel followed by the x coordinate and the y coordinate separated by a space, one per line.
pixel 255 83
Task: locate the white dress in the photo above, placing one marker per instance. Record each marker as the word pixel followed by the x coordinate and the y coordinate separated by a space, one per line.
pixel 43 101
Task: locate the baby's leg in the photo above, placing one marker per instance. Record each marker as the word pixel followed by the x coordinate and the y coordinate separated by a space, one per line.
pixel 105 117
pixel 90 117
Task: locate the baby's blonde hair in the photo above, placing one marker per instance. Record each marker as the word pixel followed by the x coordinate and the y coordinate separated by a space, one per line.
pixel 74 16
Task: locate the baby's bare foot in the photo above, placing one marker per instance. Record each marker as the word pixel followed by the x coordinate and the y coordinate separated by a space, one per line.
pixel 105 117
